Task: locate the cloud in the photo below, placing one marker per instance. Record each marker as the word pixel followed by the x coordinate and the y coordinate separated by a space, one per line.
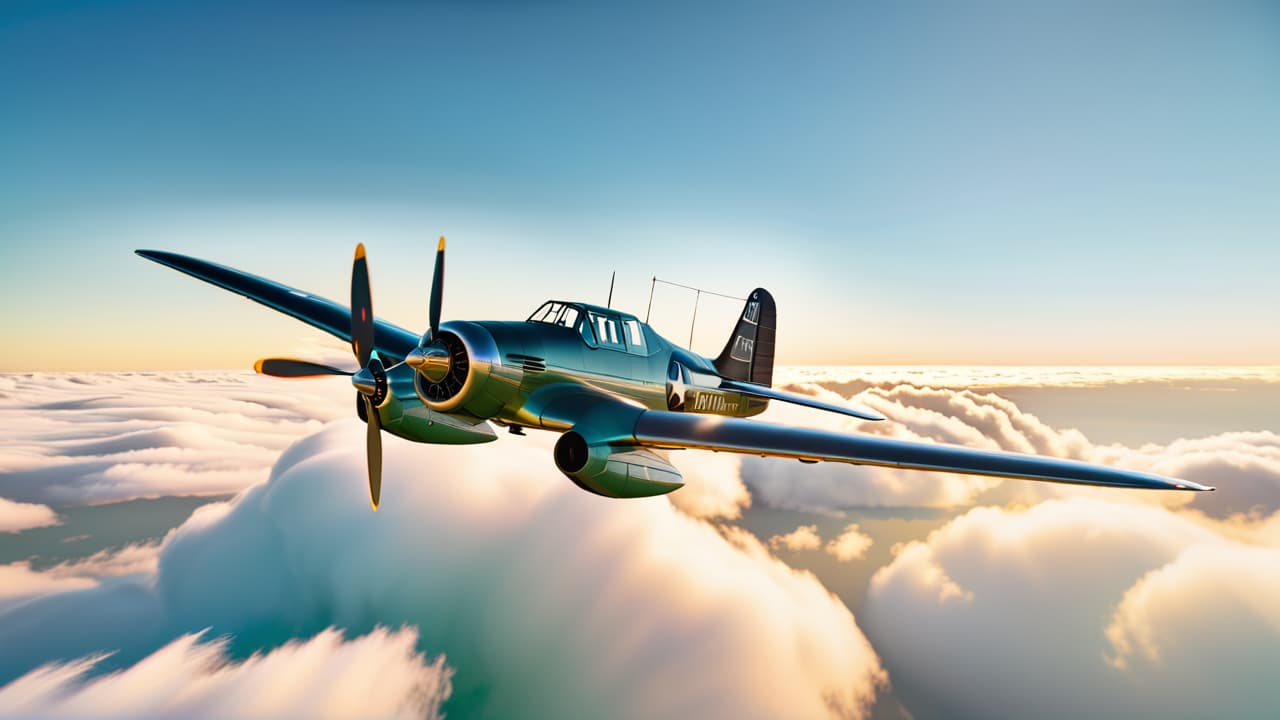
pixel 16 516
pixel 1078 608
pixel 115 436
pixel 713 486
pixel 852 544
pixel 19 584
pixel 1245 466
pixel 133 559
pixel 548 602
pixel 802 538
pixel 1174 621
pixel 830 487
pixel 961 377
pixel 377 675
pixel 102 437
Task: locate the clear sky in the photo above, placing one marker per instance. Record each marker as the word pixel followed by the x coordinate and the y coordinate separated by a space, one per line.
pixel 917 182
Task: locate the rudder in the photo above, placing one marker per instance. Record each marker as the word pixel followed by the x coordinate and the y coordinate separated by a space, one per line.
pixel 748 356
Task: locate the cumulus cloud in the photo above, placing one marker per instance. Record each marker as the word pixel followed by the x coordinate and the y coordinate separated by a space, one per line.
pixel 1078 608
pixel 713 486
pixel 133 559
pixel 802 538
pixel 548 602
pixel 852 544
pixel 115 436
pixel 1244 465
pixel 19 584
pixel 830 487
pixel 16 516
pixel 102 437
pixel 378 675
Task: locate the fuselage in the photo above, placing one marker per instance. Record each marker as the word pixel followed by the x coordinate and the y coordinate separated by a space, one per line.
pixel 502 370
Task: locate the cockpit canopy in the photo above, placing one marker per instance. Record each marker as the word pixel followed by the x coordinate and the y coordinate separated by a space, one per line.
pixel 598 327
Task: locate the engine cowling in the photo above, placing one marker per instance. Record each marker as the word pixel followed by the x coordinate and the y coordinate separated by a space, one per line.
pixel 472 354
pixel 616 471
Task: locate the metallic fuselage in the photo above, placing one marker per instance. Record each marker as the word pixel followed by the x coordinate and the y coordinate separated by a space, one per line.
pixel 514 365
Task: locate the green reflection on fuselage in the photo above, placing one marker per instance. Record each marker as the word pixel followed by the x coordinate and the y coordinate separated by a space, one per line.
pixel 534 355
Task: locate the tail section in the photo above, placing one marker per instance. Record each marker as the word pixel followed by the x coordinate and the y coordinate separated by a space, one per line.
pixel 748 356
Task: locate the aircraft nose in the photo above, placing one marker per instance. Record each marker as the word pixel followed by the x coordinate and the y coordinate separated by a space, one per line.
pixel 364 382
pixel 432 361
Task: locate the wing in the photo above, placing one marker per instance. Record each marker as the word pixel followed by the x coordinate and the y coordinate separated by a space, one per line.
pixel 671 430
pixel 390 340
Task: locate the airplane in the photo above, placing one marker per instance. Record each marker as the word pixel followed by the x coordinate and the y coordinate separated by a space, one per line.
pixel 615 390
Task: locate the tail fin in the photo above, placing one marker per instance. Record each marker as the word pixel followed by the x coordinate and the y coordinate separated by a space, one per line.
pixel 748 356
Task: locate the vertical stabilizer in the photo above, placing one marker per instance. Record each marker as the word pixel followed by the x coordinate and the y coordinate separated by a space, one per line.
pixel 748 356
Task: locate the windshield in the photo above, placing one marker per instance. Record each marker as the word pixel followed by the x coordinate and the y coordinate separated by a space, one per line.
pixel 554 313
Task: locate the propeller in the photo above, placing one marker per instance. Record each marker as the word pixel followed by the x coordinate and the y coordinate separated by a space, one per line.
pixel 437 290
pixel 290 368
pixel 370 380
pixel 431 357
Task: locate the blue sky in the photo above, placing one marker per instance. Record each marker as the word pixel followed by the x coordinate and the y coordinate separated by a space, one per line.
pixel 1002 182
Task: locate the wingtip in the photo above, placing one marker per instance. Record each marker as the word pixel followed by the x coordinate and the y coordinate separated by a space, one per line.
pixel 359 251
pixel 257 365
pixel 440 247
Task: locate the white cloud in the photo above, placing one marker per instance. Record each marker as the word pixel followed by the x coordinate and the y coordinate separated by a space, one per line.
pixel 802 538
pixel 1245 466
pixel 1078 608
pixel 852 544
pixel 713 486
pixel 16 516
pixel 19 584
pixel 378 675
pixel 548 602
pixel 102 437
pixel 979 376
pixel 134 559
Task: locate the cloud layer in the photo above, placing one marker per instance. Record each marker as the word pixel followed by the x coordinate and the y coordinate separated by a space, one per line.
pixel 1245 465
pixel 92 438
pixel 548 602
pixel 962 377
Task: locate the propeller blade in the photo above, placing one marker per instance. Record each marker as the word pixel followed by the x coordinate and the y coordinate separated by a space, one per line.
pixel 290 368
pixel 437 290
pixel 361 308
pixel 374 447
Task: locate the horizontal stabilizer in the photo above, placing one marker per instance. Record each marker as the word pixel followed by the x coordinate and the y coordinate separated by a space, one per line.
pixel 769 393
